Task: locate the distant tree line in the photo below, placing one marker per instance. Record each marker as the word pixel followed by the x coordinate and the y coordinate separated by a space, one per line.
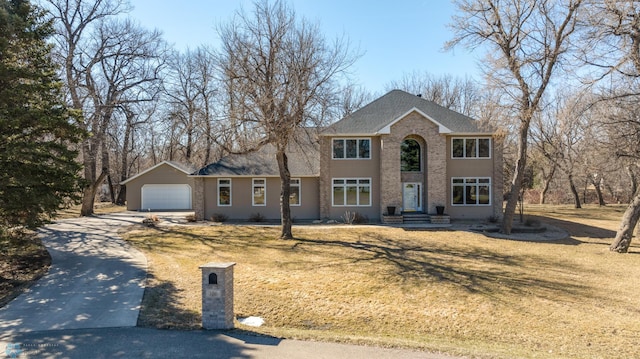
pixel 560 83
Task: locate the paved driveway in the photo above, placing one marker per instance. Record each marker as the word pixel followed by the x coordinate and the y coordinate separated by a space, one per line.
pixel 96 279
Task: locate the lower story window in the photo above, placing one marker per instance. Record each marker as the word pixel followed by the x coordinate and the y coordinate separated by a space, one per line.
pixel 470 191
pixel 259 192
pixel 224 192
pixel 294 196
pixel 351 192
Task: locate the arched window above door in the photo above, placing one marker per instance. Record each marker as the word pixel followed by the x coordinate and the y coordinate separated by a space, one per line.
pixel 410 157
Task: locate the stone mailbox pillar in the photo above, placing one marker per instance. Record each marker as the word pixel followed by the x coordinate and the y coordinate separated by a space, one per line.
pixel 217 295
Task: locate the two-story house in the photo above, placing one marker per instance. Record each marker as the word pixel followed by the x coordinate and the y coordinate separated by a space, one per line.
pixel 398 151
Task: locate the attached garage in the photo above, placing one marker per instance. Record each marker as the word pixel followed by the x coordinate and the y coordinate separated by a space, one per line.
pixel 166 196
pixel 163 187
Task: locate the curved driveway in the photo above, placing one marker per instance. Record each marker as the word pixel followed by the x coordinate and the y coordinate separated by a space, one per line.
pixel 96 279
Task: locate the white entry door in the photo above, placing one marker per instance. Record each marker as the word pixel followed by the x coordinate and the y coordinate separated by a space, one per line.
pixel 411 196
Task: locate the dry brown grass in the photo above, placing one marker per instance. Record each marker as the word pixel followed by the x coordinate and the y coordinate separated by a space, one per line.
pixel 451 291
pixel 23 259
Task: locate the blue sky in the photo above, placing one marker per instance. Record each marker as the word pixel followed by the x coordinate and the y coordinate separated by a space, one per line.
pixel 395 37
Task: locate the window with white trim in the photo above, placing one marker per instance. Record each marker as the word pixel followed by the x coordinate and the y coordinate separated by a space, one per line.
pixel 469 191
pixel 294 196
pixel 224 192
pixel 351 148
pixel 259 191
pixel 466 147
pixel 351 192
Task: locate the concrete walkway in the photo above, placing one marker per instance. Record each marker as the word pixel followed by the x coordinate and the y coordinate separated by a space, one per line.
pixel 87 307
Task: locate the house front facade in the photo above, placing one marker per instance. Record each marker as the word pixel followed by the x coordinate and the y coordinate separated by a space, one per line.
pixel 405 152
pixel 399 151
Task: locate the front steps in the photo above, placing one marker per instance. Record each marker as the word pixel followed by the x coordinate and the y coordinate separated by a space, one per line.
pixel 416 218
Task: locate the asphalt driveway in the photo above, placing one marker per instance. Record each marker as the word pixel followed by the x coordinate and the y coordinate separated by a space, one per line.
pixel 96 279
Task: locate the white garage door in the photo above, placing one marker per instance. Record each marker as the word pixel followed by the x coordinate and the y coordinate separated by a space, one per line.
pixel 166 196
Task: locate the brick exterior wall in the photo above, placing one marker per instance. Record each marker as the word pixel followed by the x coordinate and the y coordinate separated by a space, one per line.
pixel 325 177
pixel 435 179
pixel 198 198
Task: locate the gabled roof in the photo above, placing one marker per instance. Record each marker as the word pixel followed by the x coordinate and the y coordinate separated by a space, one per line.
pixel 377 117
pixel 187 169
pixel 303 160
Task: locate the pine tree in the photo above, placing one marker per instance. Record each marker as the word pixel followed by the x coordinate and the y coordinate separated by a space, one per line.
pixel 39 173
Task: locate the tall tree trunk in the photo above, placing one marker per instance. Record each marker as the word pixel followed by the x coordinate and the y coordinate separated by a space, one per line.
pixel 285 193
pixel 112 195
pixel 634 181
pixel 547 182
pixel 124 164
pixel 574 191
pixel 89 164
pixel 518 176
pixel 622 241
pixel 596 185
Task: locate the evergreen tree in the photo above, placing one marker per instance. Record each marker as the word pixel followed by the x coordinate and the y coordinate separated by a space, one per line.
pixel 39 173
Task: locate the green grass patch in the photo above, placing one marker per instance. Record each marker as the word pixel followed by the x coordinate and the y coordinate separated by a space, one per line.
pixel 452 291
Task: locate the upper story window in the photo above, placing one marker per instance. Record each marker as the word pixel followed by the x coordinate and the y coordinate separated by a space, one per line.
pixel 471 147
pixel 351 148
pixel 410 156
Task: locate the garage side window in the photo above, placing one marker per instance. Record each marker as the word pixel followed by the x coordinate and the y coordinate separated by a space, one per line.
pixel 224 192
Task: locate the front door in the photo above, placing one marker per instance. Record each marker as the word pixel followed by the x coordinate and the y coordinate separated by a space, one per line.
pixel 411 197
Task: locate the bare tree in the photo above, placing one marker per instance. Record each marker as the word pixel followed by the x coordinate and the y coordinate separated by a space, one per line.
pixel 107 63
pixel 612 48
pixel 527 41
pixel 191 93
pixel 455 93
pixel 560 134
pixel 622 123
pixel 279 71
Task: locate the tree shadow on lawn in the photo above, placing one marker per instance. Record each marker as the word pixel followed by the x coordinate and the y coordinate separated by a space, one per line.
pixel 578 229
pixel 475 270
pixel 159 307
pixel 602 236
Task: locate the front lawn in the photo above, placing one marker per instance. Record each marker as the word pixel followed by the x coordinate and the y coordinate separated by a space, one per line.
pixel 450 291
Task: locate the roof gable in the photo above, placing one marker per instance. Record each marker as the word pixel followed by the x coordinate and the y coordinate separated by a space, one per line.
pixel 186 169
pixel 378 116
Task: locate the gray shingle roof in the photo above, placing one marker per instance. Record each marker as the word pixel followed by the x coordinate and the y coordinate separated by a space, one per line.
pixel 374 117
pixel 304 160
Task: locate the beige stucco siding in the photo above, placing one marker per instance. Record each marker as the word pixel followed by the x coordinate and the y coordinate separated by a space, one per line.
pixel 242 207
pixel 164 174
pixel 475 168
pixel 351 169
